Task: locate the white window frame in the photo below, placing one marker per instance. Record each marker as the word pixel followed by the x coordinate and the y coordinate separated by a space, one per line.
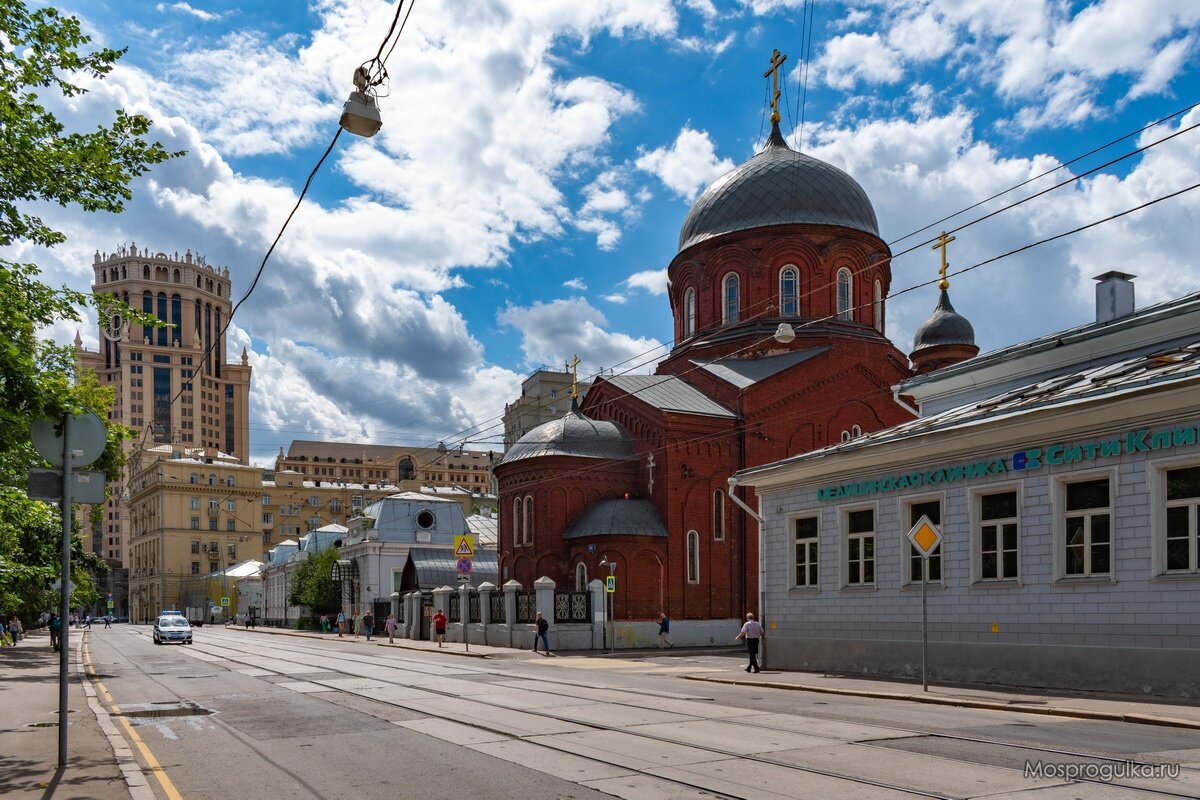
pixel 731 315
pixel 877 304
pixel 527 518
pixel 906 547
pixel 581 580
pixel 1059 507
pixel 845 304
pixel 1156 478
pixel 194 504
pixel 844 535
pixel 518 537
pixel 693 557
pixel 689 312
pixel 975 512
pixel 794 299
pixel 814 561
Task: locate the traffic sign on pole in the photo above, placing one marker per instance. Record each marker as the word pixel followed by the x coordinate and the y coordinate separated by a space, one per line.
pixel 464 566
pixel 610 584
pixel 464 545
pixel 925 538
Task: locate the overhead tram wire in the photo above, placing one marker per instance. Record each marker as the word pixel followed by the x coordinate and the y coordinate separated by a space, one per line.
pixel 720 434
pixel 204 359
pixel 1063 165
pixel 814 290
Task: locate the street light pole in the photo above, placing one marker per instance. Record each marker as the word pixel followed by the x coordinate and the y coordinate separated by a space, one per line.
pixel 612 572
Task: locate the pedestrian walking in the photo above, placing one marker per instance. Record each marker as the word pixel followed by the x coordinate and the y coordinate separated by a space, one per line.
pixel 439 626
pixel 17 629
pixel 752 632
pixel 341 623
pixel 5 640
pixel 108 620
pixel 543 630
pixel 55 631
pixel 390 626
pixel 368 620
pixel 664 629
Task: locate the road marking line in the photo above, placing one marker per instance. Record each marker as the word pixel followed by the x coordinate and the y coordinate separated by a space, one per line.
pixel 159 773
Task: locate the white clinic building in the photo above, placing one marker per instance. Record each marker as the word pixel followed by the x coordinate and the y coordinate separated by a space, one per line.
pixel 1064 475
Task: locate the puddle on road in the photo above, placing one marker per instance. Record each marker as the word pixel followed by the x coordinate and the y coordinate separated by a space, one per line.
pixel 45 724
pixel 171 710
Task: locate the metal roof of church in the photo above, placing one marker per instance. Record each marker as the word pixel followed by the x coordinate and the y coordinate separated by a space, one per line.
pixel 743 372
pixel 617 518
pixel 573 434
pixel 778 186
pixel 670 393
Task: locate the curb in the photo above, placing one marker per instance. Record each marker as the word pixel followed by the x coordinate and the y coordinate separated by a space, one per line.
pixel 135 779
pixel 987 705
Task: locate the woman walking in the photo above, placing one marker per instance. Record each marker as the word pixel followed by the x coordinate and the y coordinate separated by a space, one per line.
pixel 390 626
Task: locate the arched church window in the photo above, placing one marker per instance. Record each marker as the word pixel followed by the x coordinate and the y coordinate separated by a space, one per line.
pixel 580 577
pixel 855 430
pixel 844 298
pixel 789 292
pixel 718 510
pixel 518 536
pixel 730 291
pixel 527 523
pixel 878 305
pixel 689 313
pixel 693 557
pixel 845 436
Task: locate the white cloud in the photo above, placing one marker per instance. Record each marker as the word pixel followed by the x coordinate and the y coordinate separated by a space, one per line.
pixel 688 165
pixel 554 332
pixel 855 57
pixel 619 299
pixel 186 8
pixel 576 283
pixel 653 281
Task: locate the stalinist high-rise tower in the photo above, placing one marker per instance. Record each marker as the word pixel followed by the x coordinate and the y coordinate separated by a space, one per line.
pixel 166 390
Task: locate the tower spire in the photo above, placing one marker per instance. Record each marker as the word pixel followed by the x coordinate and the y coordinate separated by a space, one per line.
pixel 942 242
pixel 777 60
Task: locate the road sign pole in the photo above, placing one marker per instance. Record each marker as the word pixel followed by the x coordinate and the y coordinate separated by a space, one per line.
pixel 64 603
pixel 924 626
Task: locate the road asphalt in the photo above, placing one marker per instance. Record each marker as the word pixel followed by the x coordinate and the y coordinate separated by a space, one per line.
pixel 102 766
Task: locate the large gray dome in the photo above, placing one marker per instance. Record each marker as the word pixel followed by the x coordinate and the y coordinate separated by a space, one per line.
pixel 778 186
pixel 574 435
pixel 944 326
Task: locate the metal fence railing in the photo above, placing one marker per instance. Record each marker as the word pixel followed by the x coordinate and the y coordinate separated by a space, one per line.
pixel 572 607
pixel 497 603
pixel 526 607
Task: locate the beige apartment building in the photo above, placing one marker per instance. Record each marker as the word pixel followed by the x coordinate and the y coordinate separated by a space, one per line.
pixel 545 396
pixel 372 464
pixel 166 389
pixel 292 505
pixel 192 512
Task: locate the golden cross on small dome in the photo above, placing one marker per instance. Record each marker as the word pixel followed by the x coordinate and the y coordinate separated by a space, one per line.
pixel 777 60
pixel 575 377
pixel 942 242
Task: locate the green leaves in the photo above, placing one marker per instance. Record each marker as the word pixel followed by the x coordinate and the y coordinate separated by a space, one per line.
pixel 311 585
pixel 43 52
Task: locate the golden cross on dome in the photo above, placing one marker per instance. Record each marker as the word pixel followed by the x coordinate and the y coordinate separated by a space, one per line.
pixel 574 377
pixel 777 60
pixel 942 242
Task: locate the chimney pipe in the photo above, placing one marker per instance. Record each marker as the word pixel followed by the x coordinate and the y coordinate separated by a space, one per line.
pixel 1114 296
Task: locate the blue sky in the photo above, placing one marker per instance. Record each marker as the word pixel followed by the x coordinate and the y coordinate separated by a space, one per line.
pixel 525 194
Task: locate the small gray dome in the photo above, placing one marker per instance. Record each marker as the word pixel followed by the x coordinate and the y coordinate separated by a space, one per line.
pixel 574 435
pixel 779 186
pixel 944 326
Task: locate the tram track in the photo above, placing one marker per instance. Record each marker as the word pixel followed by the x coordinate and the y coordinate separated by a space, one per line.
pixel 301 655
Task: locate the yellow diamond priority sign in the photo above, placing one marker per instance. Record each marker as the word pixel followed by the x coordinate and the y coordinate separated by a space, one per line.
pixel 925 537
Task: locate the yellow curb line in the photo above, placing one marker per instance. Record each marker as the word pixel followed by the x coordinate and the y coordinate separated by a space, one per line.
pixel 151 762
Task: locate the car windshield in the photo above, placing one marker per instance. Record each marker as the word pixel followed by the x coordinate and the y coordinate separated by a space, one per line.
pixel 172 622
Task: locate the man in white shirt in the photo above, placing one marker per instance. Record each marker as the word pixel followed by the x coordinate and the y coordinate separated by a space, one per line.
pixel 752 632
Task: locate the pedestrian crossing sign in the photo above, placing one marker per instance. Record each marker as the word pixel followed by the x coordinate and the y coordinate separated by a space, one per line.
pixel 464 546
pixel 611 584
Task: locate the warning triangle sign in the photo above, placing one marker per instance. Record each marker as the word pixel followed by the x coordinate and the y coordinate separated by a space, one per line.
pixel 464 547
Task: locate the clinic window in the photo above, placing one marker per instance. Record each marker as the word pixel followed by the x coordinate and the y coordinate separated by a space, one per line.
pixel 860 548
pixel 1183 519
pixel 998 531
pixel 805 530
pixel 1087 526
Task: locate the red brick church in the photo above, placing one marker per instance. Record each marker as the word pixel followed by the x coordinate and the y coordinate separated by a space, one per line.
pixel 778 295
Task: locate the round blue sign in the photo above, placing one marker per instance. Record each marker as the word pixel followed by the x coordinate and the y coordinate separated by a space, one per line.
pixel 464 566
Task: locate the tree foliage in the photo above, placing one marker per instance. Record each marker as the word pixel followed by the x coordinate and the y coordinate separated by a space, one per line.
pixel 312 586
pixel 43 52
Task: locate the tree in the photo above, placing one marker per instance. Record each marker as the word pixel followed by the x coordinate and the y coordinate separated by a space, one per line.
pixel 41 162
pixel 312 586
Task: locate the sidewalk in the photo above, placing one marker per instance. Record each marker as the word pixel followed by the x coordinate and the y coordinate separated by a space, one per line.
pixel 29 733
pixel 1147 710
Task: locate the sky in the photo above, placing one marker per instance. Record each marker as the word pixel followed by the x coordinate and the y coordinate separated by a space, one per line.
pixel 523 199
